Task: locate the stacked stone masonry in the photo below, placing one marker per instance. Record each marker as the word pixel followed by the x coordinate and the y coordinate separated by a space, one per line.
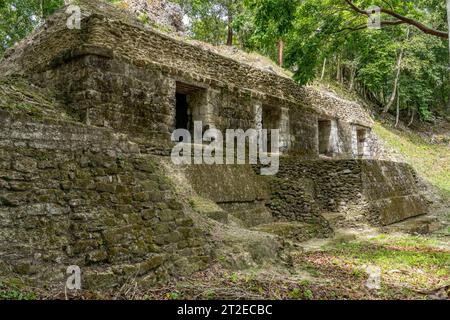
pixel 384 192
pixel 108 209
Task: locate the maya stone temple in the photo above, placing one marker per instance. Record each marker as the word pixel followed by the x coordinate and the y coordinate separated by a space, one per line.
pixel 86 117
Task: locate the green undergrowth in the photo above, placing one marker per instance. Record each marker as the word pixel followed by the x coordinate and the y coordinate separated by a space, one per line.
pixel 12 292
pixel 417 263
pixel 432 161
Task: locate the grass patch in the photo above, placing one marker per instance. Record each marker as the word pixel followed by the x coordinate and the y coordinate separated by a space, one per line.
pixel 431 161
pixel 392 258
pixel 410 262
pixel 412 267
pixel 405 241
pixel 13 293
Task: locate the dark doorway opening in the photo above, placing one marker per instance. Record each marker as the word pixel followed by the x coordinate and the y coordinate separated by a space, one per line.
pixel 181 114
pixel 190 106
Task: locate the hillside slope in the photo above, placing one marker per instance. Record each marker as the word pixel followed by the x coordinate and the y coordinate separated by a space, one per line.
pixel 432 161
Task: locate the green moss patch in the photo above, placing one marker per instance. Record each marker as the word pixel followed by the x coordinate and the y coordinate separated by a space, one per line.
pixel 9 291
pixel 18 96
pixel 295 231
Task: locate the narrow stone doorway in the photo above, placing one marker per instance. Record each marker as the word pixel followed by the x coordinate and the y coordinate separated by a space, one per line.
pixel 181 114
pixel 191 105
pixel 324 137
pixel 271 119
pixel 361 137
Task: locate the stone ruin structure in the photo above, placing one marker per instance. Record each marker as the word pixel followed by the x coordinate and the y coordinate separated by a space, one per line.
pixel 85 178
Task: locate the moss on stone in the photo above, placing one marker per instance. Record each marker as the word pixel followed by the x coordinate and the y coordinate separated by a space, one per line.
pixel 19 96
pixel 203 205
pixel 295 231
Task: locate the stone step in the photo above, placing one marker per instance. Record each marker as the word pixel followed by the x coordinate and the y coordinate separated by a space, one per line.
pixel 343 220
pixel 294 231
pixel 333 217
pixel 416 225
pixel 251 214
pixel 209 208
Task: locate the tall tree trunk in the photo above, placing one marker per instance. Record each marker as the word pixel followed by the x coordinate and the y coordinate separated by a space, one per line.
pixel 323 69
pixel 412 118
pixel 42 10
pixel 397 78
pixel 338 71
pixel 230 29
pixel 397 116
pixel 352 78
pixel 448 21
pixel 280 52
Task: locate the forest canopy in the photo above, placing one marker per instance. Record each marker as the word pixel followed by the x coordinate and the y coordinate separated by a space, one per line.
pixel 403 65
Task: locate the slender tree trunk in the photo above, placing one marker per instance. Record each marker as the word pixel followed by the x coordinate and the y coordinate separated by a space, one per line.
pixel 412 118
pixel 397 117
pixel 397 78
pixel 230 29
pixel 338 72
pixel 280 52
pixel 42 10
pixel 352 78
pixel 448 21
pixel 323 69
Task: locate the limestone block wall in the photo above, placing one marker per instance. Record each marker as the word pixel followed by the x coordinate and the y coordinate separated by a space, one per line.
pixel 393 190
pixel 108 93
pixel 232 110
pixel 313 186
pixel 384 192
pixel 105 92
pixel 77 195
pixel 303 132
pixel 107 31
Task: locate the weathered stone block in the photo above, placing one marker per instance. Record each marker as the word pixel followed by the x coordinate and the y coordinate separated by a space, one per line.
pixel 141 196
pixel 145 165
pixel 26 165
pixel 20 186
pixel 150 264
pixel 97 256
pixel 105 187
pixel 97 280
pixel 148 214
